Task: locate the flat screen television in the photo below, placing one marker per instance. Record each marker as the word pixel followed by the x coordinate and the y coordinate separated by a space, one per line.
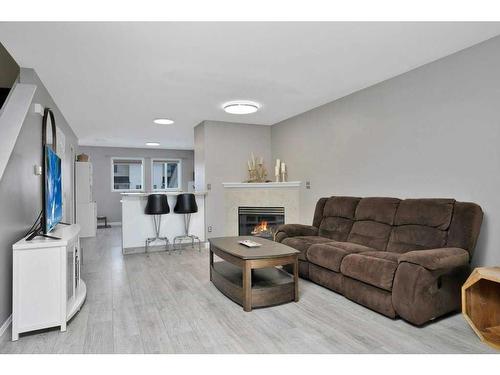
pixel 52 195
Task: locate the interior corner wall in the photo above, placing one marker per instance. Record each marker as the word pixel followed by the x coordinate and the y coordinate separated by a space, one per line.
pixel 21 190
pixel 431 132
pixel 108 201
pixel 227 147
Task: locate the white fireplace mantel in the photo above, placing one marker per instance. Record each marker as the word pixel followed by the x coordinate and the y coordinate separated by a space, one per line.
pixel 253 185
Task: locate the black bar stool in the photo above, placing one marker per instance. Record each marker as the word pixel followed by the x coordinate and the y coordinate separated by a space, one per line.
pixel 157 206
pixel 186 204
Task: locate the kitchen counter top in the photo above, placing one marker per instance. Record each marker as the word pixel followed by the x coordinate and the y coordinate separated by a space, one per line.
pixel 173 193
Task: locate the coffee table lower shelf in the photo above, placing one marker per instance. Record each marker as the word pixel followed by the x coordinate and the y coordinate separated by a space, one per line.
pixel 270 286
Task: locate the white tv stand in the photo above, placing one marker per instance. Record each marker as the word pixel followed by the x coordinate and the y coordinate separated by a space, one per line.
pixel 47 289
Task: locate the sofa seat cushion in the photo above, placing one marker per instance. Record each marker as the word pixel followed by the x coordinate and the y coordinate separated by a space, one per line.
pixel 376 268
pixel 329 255
pixel 302 243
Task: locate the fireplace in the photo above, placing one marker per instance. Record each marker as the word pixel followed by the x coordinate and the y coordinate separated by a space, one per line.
pixel 260 221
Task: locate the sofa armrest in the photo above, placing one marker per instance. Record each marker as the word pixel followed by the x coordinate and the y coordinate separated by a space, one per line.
pixel 437 259
pixel 293 230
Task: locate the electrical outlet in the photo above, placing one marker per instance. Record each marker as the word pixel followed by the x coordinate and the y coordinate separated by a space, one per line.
pixel 209 229
pixel 37 108
pixel 308 184
pixel 209 186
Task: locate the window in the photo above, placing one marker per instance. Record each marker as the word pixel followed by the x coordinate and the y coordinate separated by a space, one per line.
pixel 166 174
pixel 127 174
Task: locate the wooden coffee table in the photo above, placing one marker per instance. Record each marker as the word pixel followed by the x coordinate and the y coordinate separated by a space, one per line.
pixel 249 276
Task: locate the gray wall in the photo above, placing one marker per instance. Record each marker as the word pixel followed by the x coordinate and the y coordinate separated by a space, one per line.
pixel 432 132
pixel 226 148
pixel 9 70
pixel 20 189
pixel 108 202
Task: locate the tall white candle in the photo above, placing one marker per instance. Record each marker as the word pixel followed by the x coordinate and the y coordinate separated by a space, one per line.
pixel 283 168
pixel 278 163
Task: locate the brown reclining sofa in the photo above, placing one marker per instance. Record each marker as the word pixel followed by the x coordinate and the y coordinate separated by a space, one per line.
pixel 405 258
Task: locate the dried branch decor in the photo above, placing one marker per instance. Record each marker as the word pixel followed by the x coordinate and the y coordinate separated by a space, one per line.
pixel 256 170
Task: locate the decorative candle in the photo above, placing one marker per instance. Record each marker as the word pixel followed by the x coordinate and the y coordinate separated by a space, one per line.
pixel 283 167
pixel 278 163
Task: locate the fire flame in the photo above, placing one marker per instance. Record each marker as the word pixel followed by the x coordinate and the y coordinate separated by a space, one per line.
pixel 261 227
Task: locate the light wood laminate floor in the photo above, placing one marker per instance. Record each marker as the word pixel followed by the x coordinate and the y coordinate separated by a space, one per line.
pixel 160 303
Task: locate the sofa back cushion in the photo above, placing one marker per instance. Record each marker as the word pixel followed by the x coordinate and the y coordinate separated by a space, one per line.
pixel 341 207
pixel 373 222
pixel 370 233
pixel 382 210
pixel 465 226
pixel 421 224
pixel 415 237
pixel 399 225
pixel 337 217
pixel 318 212
pixel 336 228
pixel 435 213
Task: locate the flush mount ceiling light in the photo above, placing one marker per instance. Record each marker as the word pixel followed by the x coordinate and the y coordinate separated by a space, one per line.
pixel 163 121
pixel 241 107
pixel 152 144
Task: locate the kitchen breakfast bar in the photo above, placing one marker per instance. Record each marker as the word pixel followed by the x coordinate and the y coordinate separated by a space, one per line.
pixel 137 226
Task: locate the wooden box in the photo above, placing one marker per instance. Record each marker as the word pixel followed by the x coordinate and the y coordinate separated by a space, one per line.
pixel 481 304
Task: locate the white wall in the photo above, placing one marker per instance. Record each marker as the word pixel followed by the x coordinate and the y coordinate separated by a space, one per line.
pixel 432 132
pixel 222 150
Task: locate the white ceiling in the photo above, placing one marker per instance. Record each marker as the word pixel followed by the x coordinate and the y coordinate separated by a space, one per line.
pixel 111 80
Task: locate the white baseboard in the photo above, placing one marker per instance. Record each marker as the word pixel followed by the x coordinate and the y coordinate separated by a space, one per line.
pixel 5 325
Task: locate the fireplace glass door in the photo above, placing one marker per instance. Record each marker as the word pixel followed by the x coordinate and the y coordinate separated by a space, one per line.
pixel 260 221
